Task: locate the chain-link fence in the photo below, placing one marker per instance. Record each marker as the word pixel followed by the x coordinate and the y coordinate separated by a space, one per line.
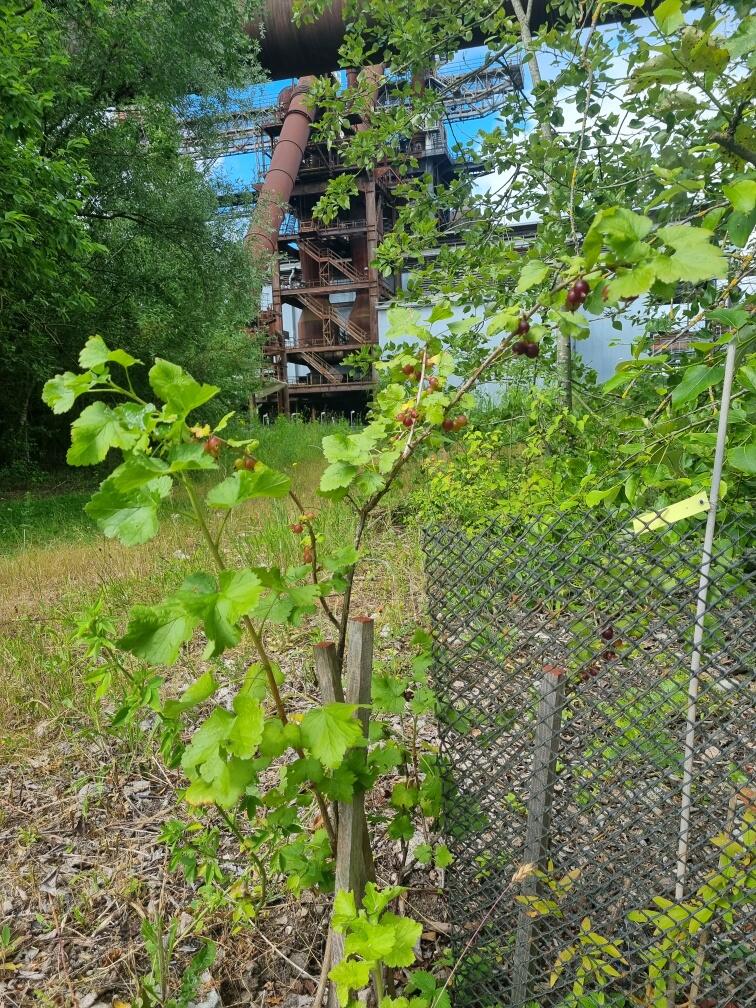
pixel 599 788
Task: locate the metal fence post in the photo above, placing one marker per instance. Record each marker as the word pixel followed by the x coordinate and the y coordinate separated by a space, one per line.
pixel 536 852
pixel 354 862
pixel 702 602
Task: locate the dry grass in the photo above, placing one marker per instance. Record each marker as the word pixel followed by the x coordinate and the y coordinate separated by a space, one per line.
pixel 81 809
pixel 42 589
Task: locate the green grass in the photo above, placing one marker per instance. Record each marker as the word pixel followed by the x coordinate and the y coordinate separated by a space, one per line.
pixel 54 564
pixel 58 565
pixel 36 520
pixel 44 516
pixel 286 443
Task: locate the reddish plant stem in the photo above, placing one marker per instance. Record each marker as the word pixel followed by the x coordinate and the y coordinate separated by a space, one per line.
pixel 313 546
pixel 264 659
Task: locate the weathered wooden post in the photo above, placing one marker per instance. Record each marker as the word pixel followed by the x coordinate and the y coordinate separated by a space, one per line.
pixel 354 861
pixel 327 671
pixel 537 839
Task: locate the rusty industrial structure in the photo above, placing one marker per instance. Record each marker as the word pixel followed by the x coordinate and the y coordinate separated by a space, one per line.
pixel 325 290
pixel 325 294
pixel 324 274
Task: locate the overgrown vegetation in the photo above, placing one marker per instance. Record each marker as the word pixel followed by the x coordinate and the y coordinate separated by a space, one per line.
pixel 227 565
pixel 109 224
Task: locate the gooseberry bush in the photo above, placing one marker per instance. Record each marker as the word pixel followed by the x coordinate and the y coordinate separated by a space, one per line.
pixel 271 771
pixel 260 769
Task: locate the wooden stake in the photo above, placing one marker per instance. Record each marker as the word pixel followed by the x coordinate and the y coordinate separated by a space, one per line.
pixel 540 802
pixel 327 670
pixel 354 861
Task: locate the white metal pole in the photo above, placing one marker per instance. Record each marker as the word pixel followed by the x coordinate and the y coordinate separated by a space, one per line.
pixel 698 629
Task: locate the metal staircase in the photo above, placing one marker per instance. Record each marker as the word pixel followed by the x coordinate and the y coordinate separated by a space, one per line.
pixel 330 319
pixel 317 363
pixel 326 257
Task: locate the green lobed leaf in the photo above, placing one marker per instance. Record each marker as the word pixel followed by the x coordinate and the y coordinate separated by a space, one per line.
pixel 329 731
pixel 245 733
pixel 190 457
pixel 135 472
pixel 291 605
pixel 225 786
pixel 249 484
pixel 388 693
pixel 434 407
pixel 338 475
pixel 129 516
pixel 533 273
pixel 369 939
pixel 375 900
pixel 381 759
pixel 424 853
pixel 340 785
pixel 401 827
pixel 404 795
pixel 156 633
pixel 442 856
pixel 95 354
pixel 207 739
pixel 341 559
pixel 349 975
pixel 353 448
pixel 729 318
pixel 221 606
pixel 177 389
pixel 427 985
pixel 741 194
pixel 695 258
pixel 344 910
pixel 62 391
pixel 503 321
pixel 632 282
pixel 406 934
pixel 405 322
pixel 368 482
pixel 621 229
pixel 277 738
pixel 98 429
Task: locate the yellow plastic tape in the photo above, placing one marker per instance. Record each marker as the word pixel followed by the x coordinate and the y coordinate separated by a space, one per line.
pixel 694 505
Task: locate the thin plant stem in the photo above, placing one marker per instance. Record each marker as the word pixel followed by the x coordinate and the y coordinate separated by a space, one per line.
pixel 260 648
pixel 314 562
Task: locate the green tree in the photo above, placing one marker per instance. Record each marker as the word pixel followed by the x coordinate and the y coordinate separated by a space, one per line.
pixel 45 245
pixel 635 154
pixel 112 226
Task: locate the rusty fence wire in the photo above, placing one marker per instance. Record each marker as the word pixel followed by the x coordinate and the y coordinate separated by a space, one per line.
pixel 599 794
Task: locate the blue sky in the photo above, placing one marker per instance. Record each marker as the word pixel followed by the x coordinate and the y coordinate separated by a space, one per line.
pixel 243 170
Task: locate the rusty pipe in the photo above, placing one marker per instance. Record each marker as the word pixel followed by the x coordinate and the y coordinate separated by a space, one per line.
pixel 281 176
pixel 287 50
